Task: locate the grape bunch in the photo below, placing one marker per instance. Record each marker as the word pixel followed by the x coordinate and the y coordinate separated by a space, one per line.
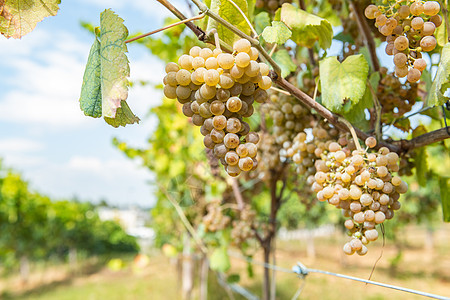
pixel 409 30
pixel 215 220
pixel 271 5
pixel 305 153
pixel 289 117
pixel 361 183
pixel 242 227
pixel 217 90
pixel 267 156
pixel 395 98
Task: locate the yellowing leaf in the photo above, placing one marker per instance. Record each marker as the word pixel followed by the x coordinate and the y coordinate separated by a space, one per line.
pixel 343 84
pixel 277 33
pixel 227 11
pixel 114 62
pixel 306 28
pixel 441 81
pixel 19 17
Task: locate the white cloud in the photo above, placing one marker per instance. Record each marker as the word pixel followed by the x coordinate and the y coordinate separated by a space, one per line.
pixel 20 145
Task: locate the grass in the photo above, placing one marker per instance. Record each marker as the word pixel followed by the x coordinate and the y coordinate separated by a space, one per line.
pixel 418 268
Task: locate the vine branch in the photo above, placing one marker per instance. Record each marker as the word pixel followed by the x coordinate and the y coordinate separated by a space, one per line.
pixel 367 35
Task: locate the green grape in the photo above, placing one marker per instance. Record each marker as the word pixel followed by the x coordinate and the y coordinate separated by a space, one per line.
pixel 431 8
pixel 248 89
pixel 370 11
pixel 185 62
pixel 219 150
pixel 231 158
pixel 223 95
pixel 211 63
pixel 195 51
pixel 428 43
pixel 208 142
pixel 252 149
pixel 381 20
pixel 237 72
pixel 234 104
pixel 265 83
pixel 207 91
pixel 217 135
pixel 183 77
pixel 198 62
pixel 197 120
pixel 252 69
pixel 245 164
pixel 183 92
pixel 170 91
pixel 225 60
pixel 242 45
pixel 403 11
pixel 233 125
pixel 204 110
pixel 205 53
pixel 417 23
pixel 226 81
pixel 219 122
pixel 414 75
pixel 261 95
pixel 187 111
pixel 401 43
pixel 242 60
pixel 401 72
pixel 416 8
pixel 264 69
pixel 231 140
pixel 217 107
pixel 212 77
pixel 172 67
pixel 254 53
pixel 428 28
pixel 437 20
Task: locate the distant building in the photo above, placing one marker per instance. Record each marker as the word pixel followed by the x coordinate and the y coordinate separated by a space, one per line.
pixel 132 220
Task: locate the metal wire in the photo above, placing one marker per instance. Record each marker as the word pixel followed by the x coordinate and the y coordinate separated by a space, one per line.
pixel 302 271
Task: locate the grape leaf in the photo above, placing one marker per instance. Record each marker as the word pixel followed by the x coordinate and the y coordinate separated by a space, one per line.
pixel 343 84
pixel 441 81
pixel 105 81
pixel 441 35
pixel 19 17
pixel 356 115
pixel 262 20
pixel 306 28
pixel 277 33
pixel 91 93
pixel 284 60
pixel 219 260
pixel 444 186
pixel 227 11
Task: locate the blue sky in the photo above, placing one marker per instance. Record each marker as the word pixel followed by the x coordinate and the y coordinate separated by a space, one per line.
pixel 43 133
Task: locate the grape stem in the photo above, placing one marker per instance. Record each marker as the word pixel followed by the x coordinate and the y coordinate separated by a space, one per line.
pixel 238 32
pixel 216 37
pixel 280 91
pixel 353 132
pixel 245 17
pixel 200 16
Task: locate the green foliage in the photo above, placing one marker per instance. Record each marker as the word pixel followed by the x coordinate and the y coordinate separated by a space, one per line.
pixel 343 84
pixel 262 20
pixel 444 185
pixel 19 17
pixel 421 166
pixel 441 81
pixel 105 81
pixel 277 33
pixel 228 11
pixel 219 260
pixel 284 60
pixel 306 28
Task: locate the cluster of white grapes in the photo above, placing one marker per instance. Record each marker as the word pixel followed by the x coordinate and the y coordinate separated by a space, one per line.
pixel 288 116
pixel 304 152
pixel 215 220
pixel 242 227
pixel 409 30
pixel 217 91
pixel 361 183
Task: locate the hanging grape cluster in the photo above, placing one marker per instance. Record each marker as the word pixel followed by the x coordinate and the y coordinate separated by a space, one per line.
pixel 268 157
pixel 409 30
pixel 217 91
pixel 303 152
pixel 395 98
pixel 289 117
pixel 362 184
pixel 215 220
pixel 242 227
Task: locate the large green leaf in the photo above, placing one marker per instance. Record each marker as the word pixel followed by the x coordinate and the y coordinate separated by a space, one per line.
pixel 441 81
pixel 19 17
pixel 284 60
pixel 91 93
pixel 277 33
pixel 343 84
pixel 105 82
pixel 356 115
pixel 219 260
pixel 441 35
pixel 444 184
pixel 420 161
pixel 306 28
pixel 227 11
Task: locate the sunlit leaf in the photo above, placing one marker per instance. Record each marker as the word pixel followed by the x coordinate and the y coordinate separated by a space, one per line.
pixel 19 17
pixel 228 11
pixel 343 84
pixel 277 33
pixel 262 20
pixel 284 60
pixel 441 81
pixel 124 116
pixel 219 260
pixel 306 28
